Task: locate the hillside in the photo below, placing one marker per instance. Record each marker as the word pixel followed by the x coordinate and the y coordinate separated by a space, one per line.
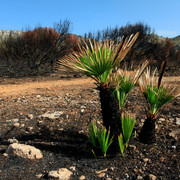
pixel 176 41
pixel 4 33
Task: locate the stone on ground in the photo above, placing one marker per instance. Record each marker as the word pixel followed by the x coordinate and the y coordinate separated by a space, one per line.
pixel 61 174
pixel 24 151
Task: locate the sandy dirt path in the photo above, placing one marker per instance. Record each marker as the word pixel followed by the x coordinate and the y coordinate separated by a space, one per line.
pixel 37 87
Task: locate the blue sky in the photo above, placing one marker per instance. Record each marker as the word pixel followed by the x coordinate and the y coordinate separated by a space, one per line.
pixel 90 15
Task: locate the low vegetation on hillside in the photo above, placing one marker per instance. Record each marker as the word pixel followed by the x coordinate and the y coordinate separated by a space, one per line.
pixel 36 51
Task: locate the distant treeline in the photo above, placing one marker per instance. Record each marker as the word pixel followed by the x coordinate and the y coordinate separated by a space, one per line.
pixel 36 51
pixel 147 46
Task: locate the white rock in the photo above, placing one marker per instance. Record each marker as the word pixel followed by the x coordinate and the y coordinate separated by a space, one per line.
pixel 82 177
pixel 38 96
pixel 152 177
pixel 53 115
pixel 101 175
pixel 30 116
pixel 83 107
pixel 16 124
pixel 39 176
pixel 72 168
pixel 145 160
pixel 30 128
pixel 5 154
pixel 139 177
pixel 61 174
pixel 15 120
pixel 178 121
pixel 24 151
pixel 162 119
pixel 175 133
pixel 102 172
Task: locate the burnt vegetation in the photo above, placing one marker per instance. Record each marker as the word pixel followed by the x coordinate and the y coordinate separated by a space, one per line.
pixel 36 51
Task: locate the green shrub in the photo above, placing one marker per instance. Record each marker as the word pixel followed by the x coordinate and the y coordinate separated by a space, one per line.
pixel 99 138
pixel 127 128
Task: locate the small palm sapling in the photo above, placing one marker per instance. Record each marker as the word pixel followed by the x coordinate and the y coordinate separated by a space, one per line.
pixel 99 138
pixel 128 122
pixel 156 94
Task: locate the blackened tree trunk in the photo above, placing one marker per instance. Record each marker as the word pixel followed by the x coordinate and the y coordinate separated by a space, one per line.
pixel 111 114
pixel 147 134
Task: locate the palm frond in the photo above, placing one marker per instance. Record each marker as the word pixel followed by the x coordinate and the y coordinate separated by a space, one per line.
pixel 98 58
pixel 122 82
pixel 155 92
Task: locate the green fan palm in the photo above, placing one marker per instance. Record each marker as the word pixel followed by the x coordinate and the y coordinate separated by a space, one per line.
pixel 123 81
pixel 98 59
pixel 156 95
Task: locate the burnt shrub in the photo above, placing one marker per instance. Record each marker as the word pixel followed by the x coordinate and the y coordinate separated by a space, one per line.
pixel 36 51
pixel 29 53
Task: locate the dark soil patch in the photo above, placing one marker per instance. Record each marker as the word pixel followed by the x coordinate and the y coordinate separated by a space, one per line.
pixel 64 140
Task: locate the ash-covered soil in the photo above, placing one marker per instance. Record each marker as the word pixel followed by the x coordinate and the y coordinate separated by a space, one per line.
pixel 62 136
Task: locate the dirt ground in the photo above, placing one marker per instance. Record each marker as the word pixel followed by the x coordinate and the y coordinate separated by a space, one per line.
pixel 63 139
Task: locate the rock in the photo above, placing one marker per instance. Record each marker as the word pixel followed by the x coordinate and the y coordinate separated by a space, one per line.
pixel 82 177
pixel 61 174
pixel 139 177
pixel 171 119
pixel 15 120
pixel 112 168
pixel 72 168
pixel 29 128
pixel 152 177
pixel 162 119
pixel 38 96
pixel 175 133
pixel 24 151
pixel 53 115
pixel 11 141
pixel 5 154
pixel 16 125
pixel 30 116
pixel 178 121
pixel 101 171
pixel 22 125
pixel 101 175
pixel 82 110
pixel 39 176
pixel 145 160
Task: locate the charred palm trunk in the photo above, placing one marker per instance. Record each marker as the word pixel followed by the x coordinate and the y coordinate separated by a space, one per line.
pixel 147 134
pixel 111 114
